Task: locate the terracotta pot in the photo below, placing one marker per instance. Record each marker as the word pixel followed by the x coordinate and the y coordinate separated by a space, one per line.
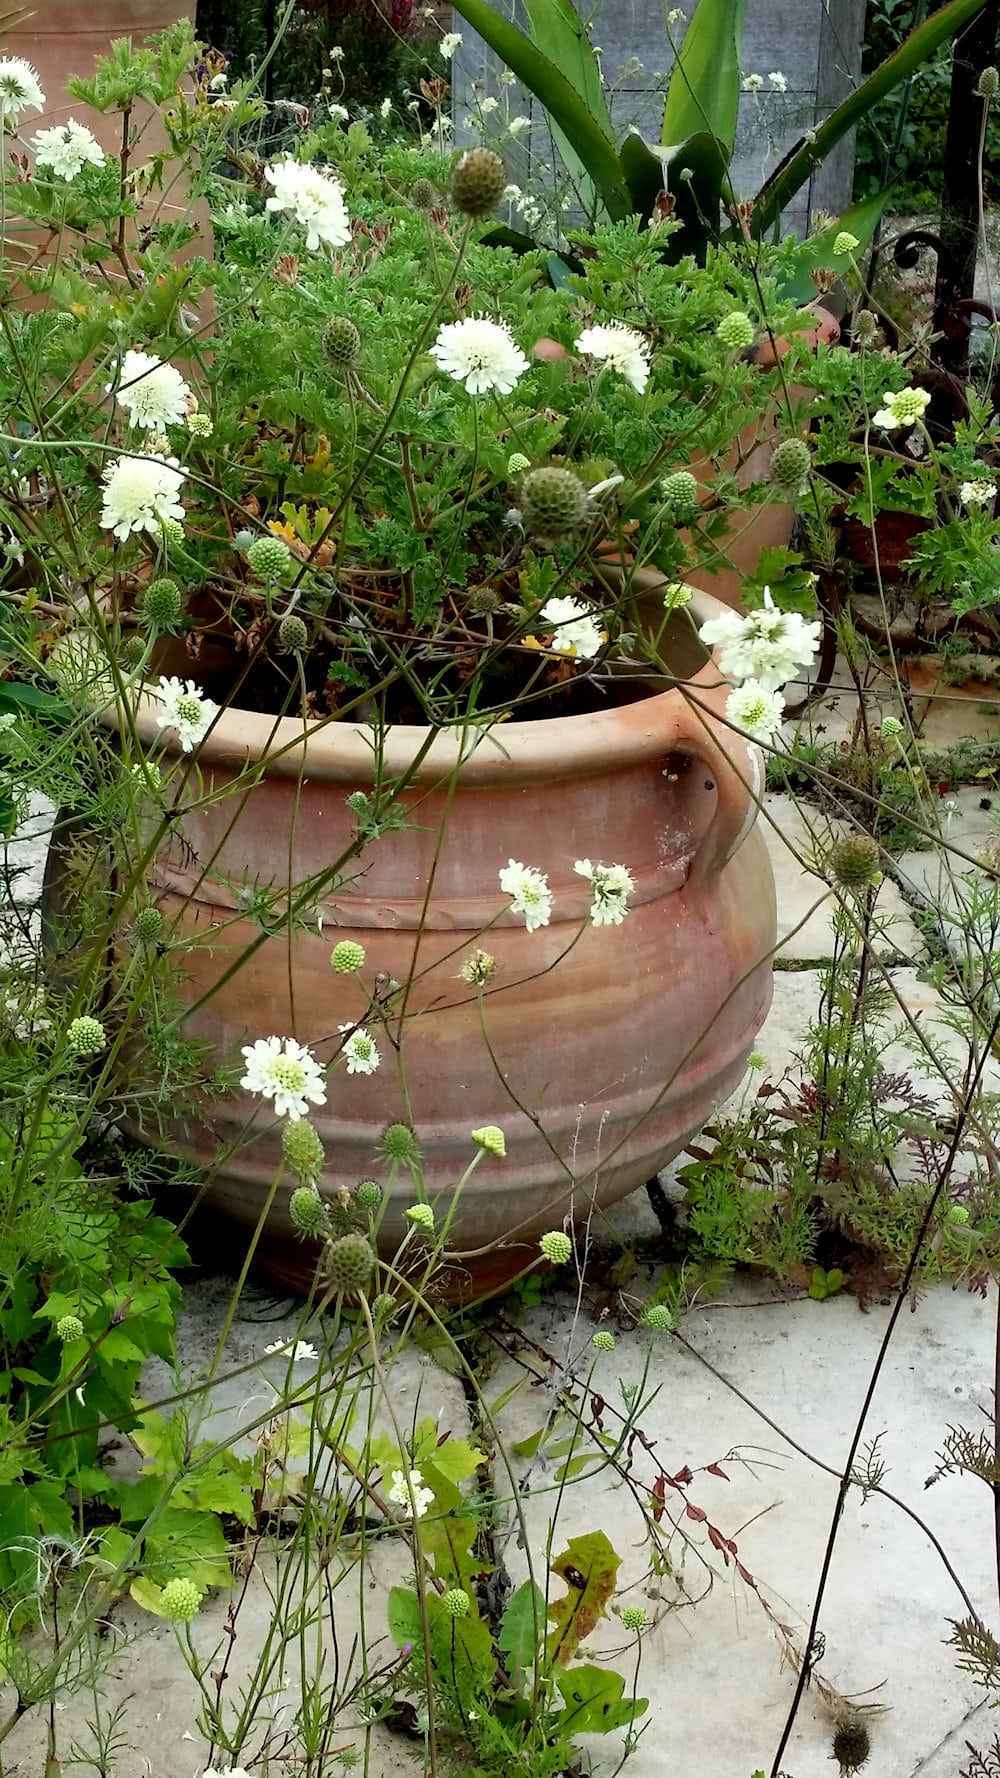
pixel 621 1047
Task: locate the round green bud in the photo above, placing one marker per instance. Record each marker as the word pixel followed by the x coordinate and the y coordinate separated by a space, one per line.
pixel 854 862
pixel 556 1247
pixel 517 463
pixel 199 425
pixel 162 603
pixel 988 84
pixel 845 242
pixel 680 494
pixel 634 1617
pixel 492 1139
pixel 349 1263
pixel 384 1306
pixel 148 925
pixel 791 462
pixel 85 1036
pixel 69 1327
pixel 293 636
pixel 658 1317
pixel 398 1143
pixel 603 1340
pixel 133 651
pixel 269 557
pixel 422 194
pixel 553 502
pixel 347 956
pixel 422 1217
pixel 958 1214
pixel 852 1746
pixel 307 1211
pixel 341 340
pixel 892 728
pixel 477 182
pixel 735 331
pixel 302 1151
pixel 171 531
pixel 457 1602
pixel 180 1600
pixel 368 1195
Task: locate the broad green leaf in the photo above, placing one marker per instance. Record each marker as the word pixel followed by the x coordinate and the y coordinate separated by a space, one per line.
pixel 462 1652
pixel 14 697
pixel 448 1542
pixel 692 170
pixel 404 1617
pixel 817 253
pixel 523 1627
pixel 589 1565
pixel 147 1595
pixel 566 109
pixel 558 30
pixel 594 1701
pixel 456 1459
pixel 704 90
pixel 912 53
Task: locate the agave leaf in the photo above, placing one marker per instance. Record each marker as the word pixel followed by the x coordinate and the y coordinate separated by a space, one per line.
pixel 558 30
pixel 704 91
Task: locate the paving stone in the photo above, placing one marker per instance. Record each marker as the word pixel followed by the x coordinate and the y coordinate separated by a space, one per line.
pixel 968 924
pixel 792 829
pixel 23 864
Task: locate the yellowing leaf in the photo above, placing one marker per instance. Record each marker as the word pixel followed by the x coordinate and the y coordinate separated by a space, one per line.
pixel 589 1565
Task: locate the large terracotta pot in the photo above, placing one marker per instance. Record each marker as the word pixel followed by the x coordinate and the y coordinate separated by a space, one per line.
pixel 620 1048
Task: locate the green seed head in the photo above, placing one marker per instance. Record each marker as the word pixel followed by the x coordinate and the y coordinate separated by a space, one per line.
pixel 302 1151
pixel 422 1218
pixel 349 1263
pixel 269 558
pixel 851 1745
pixel 85 1036
pixel 790 464
pixel 892 728
pixel 457 1602
pixel 603 1340
pixel 347 956
pixel 634 1617
pixel 854 861
pixel 162 604
pixel 845 242
pixel 865 327
pixel 341 340
pixel 680 495
pixel 307 1211
pixel 293 636
pixel 556 1247
pixel 422 194
pixel 148 925
pixel 69 1327
pixel 180 1600
pixel 553 502
pixel 368 1195
pixel 517 463
pixel 988 84
pixel 133 650
pixel 477 183
pixel 658 1317
pixel 958 1214
pixel 398 1143
pixel 735 331
pixel 492 1139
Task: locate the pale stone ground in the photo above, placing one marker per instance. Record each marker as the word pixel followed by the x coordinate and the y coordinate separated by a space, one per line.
pixel 713 1669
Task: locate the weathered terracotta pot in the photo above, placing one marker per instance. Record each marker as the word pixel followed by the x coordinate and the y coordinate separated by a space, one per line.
pixel 619 1041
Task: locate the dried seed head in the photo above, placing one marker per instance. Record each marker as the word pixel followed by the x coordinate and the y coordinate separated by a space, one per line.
pixel 477 183
pixel 341 340
pixel 852 1745
pixel 554 502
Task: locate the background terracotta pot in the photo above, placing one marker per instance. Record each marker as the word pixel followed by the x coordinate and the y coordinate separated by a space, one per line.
pixel 611 1045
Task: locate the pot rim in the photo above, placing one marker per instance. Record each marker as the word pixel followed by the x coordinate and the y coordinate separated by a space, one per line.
pixel 506 753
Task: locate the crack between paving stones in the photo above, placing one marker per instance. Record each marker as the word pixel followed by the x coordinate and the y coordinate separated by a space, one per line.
pixel 491 1539
pixel 923 1763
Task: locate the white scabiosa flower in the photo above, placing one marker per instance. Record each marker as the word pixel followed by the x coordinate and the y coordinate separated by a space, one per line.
pixel 529 893
pixel 300 1351
pixel 19 88
pixel 448 44
pixel 778 80
pixel 977 493
pixel 186 710
pixel 767 645
pixel 152 393
pixel 622 347
pixel 66 149
pixel 575 631
pixel 518 125
pixel 612 885
pixel 399 1493
pixel 140 494
pixel 338 113
pixel 901 407
pixel 756 710
pixel 360 1050
pixel 284 1071
pixel 752 83
pixel 385 109
pixel 481 354
pixel 314 199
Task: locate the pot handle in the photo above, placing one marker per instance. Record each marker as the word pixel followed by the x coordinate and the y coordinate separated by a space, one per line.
pixel 736 769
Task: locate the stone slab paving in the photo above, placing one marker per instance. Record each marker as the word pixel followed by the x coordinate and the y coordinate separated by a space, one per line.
pixel 794 832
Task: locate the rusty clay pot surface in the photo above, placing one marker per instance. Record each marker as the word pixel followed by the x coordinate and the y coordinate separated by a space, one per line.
pixel 63 38
pixel 610 1046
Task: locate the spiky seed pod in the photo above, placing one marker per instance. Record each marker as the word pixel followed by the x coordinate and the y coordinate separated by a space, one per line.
pixel 349 1264
pixel 422 194
pixel 988 84
pixel 852 1745
pixel 658 1317
pixel 133 651
pixel 148 925
pixel 302 1151
pixel 680 494
pixel 368 1195
pixel 307 1211
pixel 477 182
pixel 269 557
pixel 854 861
pixel 347 957
pixel 790 464
pixel 341 340
pixel 162 603
pixel 484 600
pixel 85 1036
pixel 293 637
pixel 68 1328
pixel 553 502
pixel 865 327
pixel 180 1600
pixel 735 331
pixel 398 1143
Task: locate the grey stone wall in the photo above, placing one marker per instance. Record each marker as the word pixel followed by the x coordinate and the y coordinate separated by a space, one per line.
pixel 814 44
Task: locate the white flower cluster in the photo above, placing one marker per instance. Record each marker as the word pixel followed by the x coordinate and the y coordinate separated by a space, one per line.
pixel 399 1493
pixel 313 198
pixel 531 896
pixel 576 632
pixel 764 650
pixel 287 1072
pixel 152 393
pixel 67 149
pixel 622 347
pixel 481 354
pixel 19 89
pixel 977 493
pixel 186 710
pixel 140 494
pixel 612 885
